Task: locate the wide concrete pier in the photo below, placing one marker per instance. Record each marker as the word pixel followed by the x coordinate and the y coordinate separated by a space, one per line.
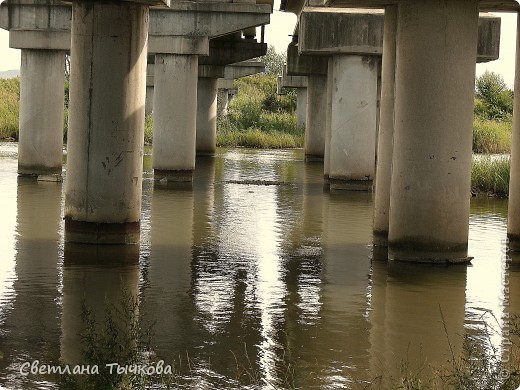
pixel 430 187
pixel 105 140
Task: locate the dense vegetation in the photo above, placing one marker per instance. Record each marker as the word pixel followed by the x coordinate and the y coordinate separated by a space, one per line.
pixel 258 117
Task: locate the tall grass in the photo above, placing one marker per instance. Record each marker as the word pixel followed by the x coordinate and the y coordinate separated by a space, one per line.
pixel 491 137
pixel 490 175
pixel 9 97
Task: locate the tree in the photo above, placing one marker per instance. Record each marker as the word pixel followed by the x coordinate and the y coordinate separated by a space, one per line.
pixel 273 61
pixel 494 99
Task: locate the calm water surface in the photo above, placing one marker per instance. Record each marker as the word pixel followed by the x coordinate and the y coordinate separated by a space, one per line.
pixel 256 267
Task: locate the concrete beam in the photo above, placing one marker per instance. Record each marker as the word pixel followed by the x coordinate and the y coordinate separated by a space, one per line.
pixel 295 6
pixel 156 3
pixel 225 84
pixel 224 52
pixel 185 28
pixel 304 65
pixel 243 69
pixel 211 71
pixel 292 81
pixel 360 31
pixel 329 31
pixel 201 19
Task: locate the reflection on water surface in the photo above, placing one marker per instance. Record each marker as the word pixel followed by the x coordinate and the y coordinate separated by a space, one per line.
pixel 254 275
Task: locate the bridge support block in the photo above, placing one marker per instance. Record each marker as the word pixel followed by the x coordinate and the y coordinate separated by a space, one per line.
pixel 352 139
pixel 175 113
pixel 430 185
pixel 40 146
pixel 105 141
pixel 513 215
pixel 316 117
pixel 206 116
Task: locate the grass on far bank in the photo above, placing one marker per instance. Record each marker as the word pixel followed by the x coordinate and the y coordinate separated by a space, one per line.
pixel 9 97
pixel 491 137
pixel 259 118
pixel 490 175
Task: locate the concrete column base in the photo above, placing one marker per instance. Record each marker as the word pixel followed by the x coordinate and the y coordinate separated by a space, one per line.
pixel 414 253
pixel 313 158
pixel 350 185
pixel 101 233
pixel 173 175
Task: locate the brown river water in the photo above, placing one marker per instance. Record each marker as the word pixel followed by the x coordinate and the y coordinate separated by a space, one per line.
pixel 256 277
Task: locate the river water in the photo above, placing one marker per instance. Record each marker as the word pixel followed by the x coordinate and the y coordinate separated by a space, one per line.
pixel 256 277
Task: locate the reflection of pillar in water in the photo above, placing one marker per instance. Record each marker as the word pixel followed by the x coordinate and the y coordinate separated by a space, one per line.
pixel 96 277
pixel 417 315
pixel 30 329
pixel 203 198
pixel 169 271
pixel 342 338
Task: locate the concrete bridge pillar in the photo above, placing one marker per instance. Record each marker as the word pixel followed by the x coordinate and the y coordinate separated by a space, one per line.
pixel 175 115
pixel 40 146
pixel 352 140
pixel 207 89
pixel 316 117
pixel 513 216
pixel 386 130
pixel 301 107
pixel 106 122
pixel 430 185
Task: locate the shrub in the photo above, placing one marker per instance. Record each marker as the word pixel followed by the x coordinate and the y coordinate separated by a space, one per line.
pixel 493 99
